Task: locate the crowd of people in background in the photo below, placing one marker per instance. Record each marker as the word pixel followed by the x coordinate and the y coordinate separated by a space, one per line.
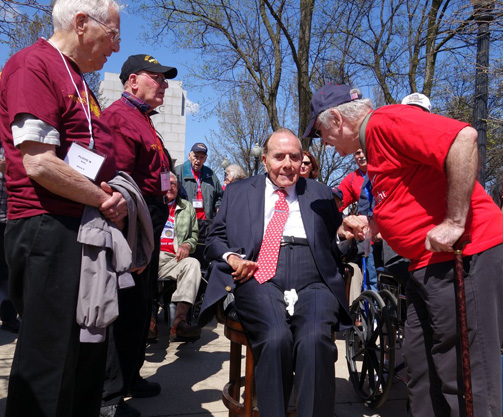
pixel 85 184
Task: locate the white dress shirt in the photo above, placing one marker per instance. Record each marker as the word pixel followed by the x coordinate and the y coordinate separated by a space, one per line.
pixel 294 225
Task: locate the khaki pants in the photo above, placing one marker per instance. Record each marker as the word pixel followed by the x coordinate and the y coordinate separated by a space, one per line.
pixel 186 273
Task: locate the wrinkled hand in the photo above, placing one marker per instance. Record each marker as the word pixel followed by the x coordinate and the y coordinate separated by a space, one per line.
pixel 115 208
pixel 182 252
pixel 442 237
pixel 243 268
pixel 353 227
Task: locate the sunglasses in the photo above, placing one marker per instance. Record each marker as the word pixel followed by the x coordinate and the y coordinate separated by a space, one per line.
pixel 306 163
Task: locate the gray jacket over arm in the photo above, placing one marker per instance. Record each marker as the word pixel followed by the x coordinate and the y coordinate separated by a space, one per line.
pixel 107 258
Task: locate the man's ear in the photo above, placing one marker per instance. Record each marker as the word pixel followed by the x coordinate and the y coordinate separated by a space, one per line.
pixel 80 22
pixel 263 162
pixel 336 118
pixel 133 81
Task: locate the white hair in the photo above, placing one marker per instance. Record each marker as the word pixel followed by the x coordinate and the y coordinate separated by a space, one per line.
pixel 352 110
pixel 236 172
pixel 64 11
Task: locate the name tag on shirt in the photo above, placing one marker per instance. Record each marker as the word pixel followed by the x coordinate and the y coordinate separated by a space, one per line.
pixel 84 160
pixel 197 203
pixel 165 181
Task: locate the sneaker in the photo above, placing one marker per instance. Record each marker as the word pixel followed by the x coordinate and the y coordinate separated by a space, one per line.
pixel 144 389
pixel 119 410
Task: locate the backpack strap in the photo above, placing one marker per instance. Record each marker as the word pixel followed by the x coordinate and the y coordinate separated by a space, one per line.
pixel 361 133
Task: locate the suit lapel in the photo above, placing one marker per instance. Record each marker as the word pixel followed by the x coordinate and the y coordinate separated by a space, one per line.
pixel 256 204
pixel 307 214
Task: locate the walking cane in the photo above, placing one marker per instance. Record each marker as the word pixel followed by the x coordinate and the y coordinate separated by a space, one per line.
pixel 460 294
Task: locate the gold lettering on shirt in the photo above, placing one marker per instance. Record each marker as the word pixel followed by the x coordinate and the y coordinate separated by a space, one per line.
pixel 95 108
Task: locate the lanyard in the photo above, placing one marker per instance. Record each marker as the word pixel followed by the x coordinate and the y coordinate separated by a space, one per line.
pixel 172 209
pixel 164 159
pixel 197 178
pixel 87 110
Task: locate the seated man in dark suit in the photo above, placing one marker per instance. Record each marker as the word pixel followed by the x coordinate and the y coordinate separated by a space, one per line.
pixel 273 239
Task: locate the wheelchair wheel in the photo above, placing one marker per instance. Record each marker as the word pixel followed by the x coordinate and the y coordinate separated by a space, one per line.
pixel 370 352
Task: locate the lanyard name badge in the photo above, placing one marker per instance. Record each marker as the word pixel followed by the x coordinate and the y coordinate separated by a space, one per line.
pixel 165 175
pixel 86 161
pixel 197 202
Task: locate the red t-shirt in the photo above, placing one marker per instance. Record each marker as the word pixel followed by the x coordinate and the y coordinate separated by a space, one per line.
pixel 136 147
pixel 36 81
pixel 351 186
pixel 406 149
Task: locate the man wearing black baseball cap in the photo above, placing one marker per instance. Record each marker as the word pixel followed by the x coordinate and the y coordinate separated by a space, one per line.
pixel 136 63
pixel 140 152
pixel 423 168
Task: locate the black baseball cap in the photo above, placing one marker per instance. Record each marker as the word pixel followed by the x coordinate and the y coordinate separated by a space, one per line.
pixel 140 62
pixel 328 96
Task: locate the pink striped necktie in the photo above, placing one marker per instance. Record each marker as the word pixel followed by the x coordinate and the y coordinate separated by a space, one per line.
pixel 269 251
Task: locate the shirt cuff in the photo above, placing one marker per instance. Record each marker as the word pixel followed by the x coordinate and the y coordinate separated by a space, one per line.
pixel 226 255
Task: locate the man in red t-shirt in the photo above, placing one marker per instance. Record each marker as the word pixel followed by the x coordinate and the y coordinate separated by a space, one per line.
pixel 139 152
pixel 423 169
pixel 351 185
pixel 48 116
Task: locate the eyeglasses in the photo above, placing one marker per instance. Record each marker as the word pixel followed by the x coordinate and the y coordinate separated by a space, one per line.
pixel 115 34
pixel 306 163
pixel 159 78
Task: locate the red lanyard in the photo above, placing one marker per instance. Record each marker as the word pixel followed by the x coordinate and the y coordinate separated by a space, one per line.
pixel 197 178
pixel 172 208
pixel 164 159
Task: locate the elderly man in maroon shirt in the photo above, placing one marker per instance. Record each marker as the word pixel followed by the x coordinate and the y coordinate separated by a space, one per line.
pixel 47 112
pixel 139 152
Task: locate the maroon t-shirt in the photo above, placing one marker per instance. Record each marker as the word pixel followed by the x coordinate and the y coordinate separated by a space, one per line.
pixel 36 81
pixel 138 150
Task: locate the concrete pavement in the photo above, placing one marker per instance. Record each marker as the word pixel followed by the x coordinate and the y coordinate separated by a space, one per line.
pixel 192 376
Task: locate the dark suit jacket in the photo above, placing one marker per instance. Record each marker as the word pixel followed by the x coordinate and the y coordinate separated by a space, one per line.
pixel 239 227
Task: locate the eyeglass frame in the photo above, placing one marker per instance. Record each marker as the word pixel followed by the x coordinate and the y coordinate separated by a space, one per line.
pixel 306 163
pixel 156 79
pixel 116 33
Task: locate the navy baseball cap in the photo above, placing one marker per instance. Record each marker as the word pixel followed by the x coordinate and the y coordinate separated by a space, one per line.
pixel 140 62
pixel 337 192
pixel 328 96
pixel 199 147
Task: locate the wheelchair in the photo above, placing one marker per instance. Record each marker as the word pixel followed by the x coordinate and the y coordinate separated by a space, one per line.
pixel 377 333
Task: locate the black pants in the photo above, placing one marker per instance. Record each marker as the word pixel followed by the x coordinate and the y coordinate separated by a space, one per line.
pixel 52 374
pixel 7 311
pixel 284 344
pixel 432 349
pixel 128 333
